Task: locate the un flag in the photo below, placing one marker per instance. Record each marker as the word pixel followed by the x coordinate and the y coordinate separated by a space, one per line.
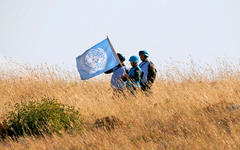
pixel 97 60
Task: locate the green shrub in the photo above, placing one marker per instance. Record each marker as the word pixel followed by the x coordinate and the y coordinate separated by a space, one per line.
pixel 41 117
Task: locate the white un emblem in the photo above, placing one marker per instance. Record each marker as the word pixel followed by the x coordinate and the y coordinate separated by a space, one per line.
pixel 96 59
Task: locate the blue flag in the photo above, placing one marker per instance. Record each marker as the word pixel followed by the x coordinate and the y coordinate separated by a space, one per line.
pixel 96 60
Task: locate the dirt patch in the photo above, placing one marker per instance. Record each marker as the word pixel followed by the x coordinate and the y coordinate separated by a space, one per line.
pixel 108 123
pixel 222 107
pixel 2 130
pixel 223 114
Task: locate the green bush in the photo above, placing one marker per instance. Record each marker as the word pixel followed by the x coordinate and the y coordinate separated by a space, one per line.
pixel 41 117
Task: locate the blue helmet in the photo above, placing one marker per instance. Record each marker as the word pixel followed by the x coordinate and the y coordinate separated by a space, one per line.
pixel 143 52
pixel 121 57
pixel 134 59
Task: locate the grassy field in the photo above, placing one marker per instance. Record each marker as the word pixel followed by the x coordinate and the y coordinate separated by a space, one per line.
pixel 193 108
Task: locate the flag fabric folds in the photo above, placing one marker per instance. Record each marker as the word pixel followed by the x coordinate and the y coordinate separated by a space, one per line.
pixel 96 60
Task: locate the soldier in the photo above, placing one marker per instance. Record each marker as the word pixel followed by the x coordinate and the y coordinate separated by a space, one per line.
pixel 117 84
pixel 149 71
pixel 133 77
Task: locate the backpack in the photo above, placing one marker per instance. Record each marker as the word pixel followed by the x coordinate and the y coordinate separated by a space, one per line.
pixel 152 73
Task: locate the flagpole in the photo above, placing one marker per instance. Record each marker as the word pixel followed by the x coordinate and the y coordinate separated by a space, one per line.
pixel 116 55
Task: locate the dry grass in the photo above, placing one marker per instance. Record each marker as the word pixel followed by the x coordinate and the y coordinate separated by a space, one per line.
pixel 193 108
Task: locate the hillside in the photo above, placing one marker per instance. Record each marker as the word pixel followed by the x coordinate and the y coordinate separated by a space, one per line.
pixel 188 109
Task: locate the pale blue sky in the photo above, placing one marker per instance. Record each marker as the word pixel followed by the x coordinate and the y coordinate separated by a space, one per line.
pixel 57 31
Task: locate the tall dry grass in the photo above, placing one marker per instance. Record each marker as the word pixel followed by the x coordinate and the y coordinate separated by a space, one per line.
pixel 192 107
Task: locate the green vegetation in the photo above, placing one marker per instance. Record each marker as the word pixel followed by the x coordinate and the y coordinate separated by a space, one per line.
pixel 41 117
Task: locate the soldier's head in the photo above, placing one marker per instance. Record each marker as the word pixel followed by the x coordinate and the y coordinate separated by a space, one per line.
pixel 134 60
pixel 143 54
pixel 121 57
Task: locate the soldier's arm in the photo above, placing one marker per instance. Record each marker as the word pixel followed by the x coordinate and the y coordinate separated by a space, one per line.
pixel 109 71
